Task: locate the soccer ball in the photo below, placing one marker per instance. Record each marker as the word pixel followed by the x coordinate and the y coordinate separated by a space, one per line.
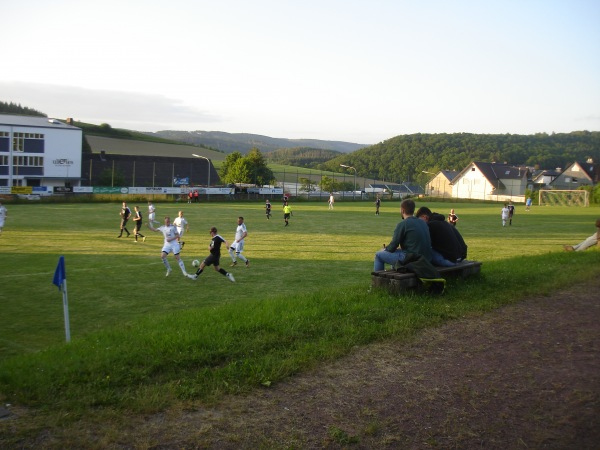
pixel 195 263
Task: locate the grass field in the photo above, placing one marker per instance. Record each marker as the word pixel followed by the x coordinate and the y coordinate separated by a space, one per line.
pixel 141 341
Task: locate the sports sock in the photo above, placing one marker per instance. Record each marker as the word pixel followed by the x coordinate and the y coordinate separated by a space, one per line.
pixel 182 266
pixel 223 271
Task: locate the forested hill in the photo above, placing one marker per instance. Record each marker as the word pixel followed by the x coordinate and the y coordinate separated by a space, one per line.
pixel 16 108
pixel 404 158
pixel 301 157
pixel 244 142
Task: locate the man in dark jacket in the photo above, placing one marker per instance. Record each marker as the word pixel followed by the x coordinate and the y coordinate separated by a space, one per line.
pixel 447 244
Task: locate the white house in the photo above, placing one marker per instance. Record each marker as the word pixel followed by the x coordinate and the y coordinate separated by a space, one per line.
pixel 577 174
pixel 440 185
pixel 490 181
pixel 543 178
pixel 37 151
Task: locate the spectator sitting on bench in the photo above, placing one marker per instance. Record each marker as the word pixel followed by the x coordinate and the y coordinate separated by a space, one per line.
pixel 410 236
pixel 447 248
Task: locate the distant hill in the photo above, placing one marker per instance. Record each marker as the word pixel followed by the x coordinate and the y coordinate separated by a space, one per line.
pixel 128 146
pixel 244 142
pixel 301 157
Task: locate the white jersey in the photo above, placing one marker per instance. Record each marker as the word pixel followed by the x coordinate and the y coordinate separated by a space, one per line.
pixel 3 213
pixel 239 233
pixel 170 245
pixel 181 225
pixel 151 212
pixel 238 247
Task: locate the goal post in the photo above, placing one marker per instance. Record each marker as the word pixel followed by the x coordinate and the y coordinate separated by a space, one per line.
pixel 578 197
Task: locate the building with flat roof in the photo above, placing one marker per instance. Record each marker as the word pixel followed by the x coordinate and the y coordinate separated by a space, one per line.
pixel 39 151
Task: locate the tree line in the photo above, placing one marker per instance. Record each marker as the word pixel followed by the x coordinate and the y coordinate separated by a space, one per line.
pixel 16 108
pixel 408 158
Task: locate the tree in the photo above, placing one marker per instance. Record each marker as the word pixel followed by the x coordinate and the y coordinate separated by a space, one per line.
pixel 250 169
pixel 229 163
pixel 258 165
pixel 307 185
pixel 330 185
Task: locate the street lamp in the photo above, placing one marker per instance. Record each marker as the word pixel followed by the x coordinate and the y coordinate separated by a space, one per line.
pixel 354 188
pixel 208 163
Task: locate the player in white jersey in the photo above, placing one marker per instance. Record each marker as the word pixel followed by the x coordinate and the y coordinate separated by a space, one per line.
pixel 237 247
pixel 3 215
pixel 182 227
pixel 151 213
pixel 170 233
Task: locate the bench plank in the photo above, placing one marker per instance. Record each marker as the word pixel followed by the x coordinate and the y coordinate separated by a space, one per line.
pixel 398 282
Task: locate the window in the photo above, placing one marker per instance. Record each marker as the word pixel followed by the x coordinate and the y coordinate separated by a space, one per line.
pixel 27 161
pixel 19 140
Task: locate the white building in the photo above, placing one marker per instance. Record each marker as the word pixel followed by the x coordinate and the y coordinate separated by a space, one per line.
pixel 490 181
pixel 38 152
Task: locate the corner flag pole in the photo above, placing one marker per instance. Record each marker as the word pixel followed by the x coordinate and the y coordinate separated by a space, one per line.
pixel 60 280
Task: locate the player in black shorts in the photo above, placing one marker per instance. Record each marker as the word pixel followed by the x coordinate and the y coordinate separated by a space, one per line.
pixel 214 258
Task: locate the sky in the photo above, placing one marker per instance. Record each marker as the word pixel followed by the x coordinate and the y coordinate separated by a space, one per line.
pixel 360 71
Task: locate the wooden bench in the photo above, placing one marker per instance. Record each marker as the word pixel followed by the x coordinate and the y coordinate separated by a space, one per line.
pixel 398 282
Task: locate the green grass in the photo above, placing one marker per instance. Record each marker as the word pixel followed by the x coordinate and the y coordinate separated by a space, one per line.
pixel 142 342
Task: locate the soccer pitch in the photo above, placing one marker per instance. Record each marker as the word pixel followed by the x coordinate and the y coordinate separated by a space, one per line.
pixel 112 282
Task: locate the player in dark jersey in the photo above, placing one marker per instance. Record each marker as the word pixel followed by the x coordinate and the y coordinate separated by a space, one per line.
pixel 214 258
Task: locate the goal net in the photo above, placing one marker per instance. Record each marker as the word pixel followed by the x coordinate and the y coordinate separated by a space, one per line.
pixel 564 198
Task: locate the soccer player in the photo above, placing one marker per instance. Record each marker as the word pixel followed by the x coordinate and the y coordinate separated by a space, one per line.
pixel 331 200
pixel 182 227
pixel 151 212
pixel 268 209
pixel 137 218
pixel 170 245
pixel 287 212
pixel 214 257
pixel 452 218
pixel 511 212
pixel 505 213
pixel 3 215
pixel 377 205
pixel 237 247
pixel 125 215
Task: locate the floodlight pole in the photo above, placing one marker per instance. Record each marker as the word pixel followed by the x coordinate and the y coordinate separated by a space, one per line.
pixel 354 187
pixel 208 162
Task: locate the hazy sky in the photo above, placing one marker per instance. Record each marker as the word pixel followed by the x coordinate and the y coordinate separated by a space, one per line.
pixel 352 70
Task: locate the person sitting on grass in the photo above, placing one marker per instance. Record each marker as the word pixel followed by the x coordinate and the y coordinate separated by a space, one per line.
pixel 587 243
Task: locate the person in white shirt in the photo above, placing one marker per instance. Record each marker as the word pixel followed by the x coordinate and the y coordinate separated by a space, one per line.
pixel 151 213
pixel 182 227
pixel 237 246
pixel 170 233
pixel 3 215
pixel 504 214
pixel 331 201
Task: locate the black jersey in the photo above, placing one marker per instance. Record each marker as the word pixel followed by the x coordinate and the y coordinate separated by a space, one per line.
pixel 215 245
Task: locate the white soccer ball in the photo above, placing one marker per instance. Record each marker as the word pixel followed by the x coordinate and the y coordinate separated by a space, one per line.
pixel 195 263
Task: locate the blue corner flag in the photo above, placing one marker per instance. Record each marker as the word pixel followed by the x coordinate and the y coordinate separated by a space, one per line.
pixel 60 275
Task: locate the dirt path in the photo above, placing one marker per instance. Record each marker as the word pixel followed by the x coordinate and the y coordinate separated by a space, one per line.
pixel 525 376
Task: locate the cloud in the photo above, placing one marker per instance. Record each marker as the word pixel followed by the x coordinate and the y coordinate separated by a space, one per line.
pixel 105 106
